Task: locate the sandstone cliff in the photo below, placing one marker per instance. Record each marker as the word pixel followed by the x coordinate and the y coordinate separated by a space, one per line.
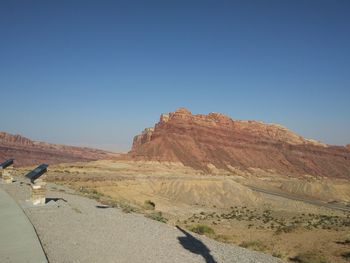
pixel 215 141
pixel 28 152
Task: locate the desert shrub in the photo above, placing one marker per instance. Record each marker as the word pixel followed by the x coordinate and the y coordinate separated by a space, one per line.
pixel 277 255
pixel 223 238
pixel 309 257
pixel 345 242
pixel 158 216
pixel 91 193
pixel 346 255
pixel 285 229
pixel 95 192
pixel 124 205
pixel 127 209
pixel 149 205
pixel 202 230
pixel 256 245
pixel 95 195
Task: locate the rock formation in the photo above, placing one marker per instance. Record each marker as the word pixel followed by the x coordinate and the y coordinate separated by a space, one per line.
pixel 216 141
pixel 28 152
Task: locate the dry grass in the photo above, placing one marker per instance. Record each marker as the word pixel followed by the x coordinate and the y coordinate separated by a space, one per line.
pixel 256 245
pixel 310 257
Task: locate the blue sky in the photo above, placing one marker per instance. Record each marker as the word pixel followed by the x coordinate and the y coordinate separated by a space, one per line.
pixel 96 73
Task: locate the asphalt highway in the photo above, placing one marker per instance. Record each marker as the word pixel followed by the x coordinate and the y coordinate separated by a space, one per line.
pixel 336 206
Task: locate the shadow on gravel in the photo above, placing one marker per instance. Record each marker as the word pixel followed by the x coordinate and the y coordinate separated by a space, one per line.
pixel 54 199
pixel 103 206
pixel 196 246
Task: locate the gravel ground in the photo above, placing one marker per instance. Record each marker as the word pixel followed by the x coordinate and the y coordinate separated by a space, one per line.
pixel 73 229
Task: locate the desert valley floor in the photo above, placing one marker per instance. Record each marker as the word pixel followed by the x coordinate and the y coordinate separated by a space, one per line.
pixel 103 210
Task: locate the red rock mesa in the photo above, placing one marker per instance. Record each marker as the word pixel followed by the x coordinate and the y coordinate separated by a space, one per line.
pixel 216 141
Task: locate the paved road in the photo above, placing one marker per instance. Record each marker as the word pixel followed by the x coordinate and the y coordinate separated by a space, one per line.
pixel 18 240
pixel 305 200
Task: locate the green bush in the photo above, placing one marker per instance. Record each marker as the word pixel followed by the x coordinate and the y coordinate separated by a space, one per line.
pixel 277 255
pixel 309 257
pixel 158 216
pixel 127 208
pixel 202 230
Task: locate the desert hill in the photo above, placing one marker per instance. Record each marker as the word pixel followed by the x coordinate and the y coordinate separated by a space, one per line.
pixel 29 152
pixel 215 141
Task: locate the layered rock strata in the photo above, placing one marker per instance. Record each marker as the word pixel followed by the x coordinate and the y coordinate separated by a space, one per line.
pixel 216 141
pixel 29 152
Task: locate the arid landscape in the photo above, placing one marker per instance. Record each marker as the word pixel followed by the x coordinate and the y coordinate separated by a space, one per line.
pixel 175 131
pixel 232 211
pixel 255 185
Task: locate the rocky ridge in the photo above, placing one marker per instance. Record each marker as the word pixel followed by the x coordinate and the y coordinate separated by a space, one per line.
pixel 215 141
pixel 29 152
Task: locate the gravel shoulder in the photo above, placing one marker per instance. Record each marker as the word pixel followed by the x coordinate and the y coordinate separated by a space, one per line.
pixel 72 229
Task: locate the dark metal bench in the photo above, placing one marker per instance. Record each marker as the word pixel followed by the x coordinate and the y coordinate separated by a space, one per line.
pixel 37 172
pixel 7 163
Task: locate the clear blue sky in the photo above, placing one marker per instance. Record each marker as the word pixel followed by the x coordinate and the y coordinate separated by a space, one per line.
pixel 97 72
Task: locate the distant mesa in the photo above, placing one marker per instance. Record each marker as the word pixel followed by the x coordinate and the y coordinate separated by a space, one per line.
pixel 215 141
pixel 29 152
